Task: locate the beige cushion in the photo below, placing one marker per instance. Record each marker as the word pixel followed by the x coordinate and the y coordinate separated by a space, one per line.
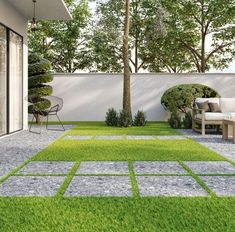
pixel 212 116
pixel 212 100
pixel 227 104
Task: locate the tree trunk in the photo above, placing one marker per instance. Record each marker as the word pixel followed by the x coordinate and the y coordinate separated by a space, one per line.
pixel 127 79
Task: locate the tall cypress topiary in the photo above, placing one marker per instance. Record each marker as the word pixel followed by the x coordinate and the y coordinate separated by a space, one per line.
pixel 39 73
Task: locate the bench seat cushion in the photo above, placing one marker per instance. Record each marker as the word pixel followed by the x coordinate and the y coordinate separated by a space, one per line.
pixel 215 116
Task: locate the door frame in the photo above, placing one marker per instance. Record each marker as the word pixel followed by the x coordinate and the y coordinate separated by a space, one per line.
pixel 8 84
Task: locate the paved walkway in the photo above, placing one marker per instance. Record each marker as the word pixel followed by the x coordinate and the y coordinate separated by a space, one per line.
pixel 105 178
pixel 20 147
pixel 113 178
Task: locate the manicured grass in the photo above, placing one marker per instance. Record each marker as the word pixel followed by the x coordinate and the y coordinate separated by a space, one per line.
pixel 99 128
pixel 127 150
pixel 113 214
pixel 120 214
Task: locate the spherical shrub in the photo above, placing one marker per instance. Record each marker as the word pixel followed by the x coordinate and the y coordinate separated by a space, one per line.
pixel 181 98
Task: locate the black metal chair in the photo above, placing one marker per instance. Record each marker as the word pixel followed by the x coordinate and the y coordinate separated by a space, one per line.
pixel 56 104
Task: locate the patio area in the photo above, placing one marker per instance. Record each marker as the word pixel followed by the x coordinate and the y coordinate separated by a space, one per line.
pixel 24 173
pixel 92 174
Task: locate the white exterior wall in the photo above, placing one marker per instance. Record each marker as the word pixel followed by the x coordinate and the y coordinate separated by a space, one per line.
pixel 88 96
pixel 18 23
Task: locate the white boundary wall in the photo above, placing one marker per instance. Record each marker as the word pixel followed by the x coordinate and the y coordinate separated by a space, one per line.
pixel 87 97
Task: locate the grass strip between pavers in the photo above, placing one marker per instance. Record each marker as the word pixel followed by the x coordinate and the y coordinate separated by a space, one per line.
pixel 68 180
pixel 200 182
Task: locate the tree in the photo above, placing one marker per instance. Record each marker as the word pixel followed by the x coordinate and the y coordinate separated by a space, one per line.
pixel 193 22
pixel 39 73
pixel 127 78
pixel 146 16
pixel 64 43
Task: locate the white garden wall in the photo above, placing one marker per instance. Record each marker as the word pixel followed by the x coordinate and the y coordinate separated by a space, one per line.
pixel 88 96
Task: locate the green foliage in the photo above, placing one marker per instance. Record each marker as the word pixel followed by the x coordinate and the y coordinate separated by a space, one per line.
pixel 65 43
pixel 147 18
pixel 111 118
pixel 191 23
pixel 125 119
pixel 39 71
pixel 187 120
pixel 175 120
pixel 140 119
pixel 182 97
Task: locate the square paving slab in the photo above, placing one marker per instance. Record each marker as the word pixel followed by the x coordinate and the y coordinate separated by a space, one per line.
pixel 99 186
pixel 103 167
pixel 7 167
pixel 221 185
pixel 78 137
pixel 24 186
pixel 158 167
pixel 109 137
pixel 171 137
pixel 47 167
pixel 211 167
pixel 183 186
pixel 140 137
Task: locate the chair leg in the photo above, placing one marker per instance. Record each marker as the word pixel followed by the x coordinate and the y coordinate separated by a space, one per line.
pixel 63 129
pixel 35 132
pixel 203 128
pixel 60 122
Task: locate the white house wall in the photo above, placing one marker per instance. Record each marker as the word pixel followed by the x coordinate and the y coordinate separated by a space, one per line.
pixel 11 18
pixel 88 96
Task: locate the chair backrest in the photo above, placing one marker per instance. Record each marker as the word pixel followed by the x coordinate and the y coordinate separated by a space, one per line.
pixel 56 103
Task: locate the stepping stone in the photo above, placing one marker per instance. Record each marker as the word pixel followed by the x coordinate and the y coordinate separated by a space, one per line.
pixel 171 137
pixel 140 137
pixel 100 186
pixel 221 185
pixel 108 137
pixel 183 186
pixel 158 167
pixel 7 167
pixel 211 167
pixel 25 186
pixel 47 167
pixel 103 167
pixel 78 137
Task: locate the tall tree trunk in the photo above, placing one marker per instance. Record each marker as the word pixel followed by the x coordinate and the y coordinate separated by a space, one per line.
pixel 127 78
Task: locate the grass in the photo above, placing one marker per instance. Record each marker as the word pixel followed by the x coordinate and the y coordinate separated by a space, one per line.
pixel 117 214
pixel 99 128
pixel 127 150
pixel 114 214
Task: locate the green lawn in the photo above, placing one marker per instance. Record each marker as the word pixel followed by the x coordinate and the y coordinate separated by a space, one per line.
pixel 120 214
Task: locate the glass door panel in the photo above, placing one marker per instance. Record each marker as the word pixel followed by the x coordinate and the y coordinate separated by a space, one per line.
pixel 3 80
pixel 15 82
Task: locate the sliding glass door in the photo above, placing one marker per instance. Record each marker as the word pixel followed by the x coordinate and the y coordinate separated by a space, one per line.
pixel 3 80
pixel 15 82
pixel 11 81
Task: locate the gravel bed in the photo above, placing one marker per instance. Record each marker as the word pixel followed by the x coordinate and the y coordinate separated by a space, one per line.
pixel 19 147
pixel 215 142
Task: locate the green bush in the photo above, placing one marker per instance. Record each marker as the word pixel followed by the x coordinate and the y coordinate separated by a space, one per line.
pixel 181 98
pixel 125 119
pixel 39 73
pixel 140 119
pixel 175 120
pixel 187 120
pixel 111 118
